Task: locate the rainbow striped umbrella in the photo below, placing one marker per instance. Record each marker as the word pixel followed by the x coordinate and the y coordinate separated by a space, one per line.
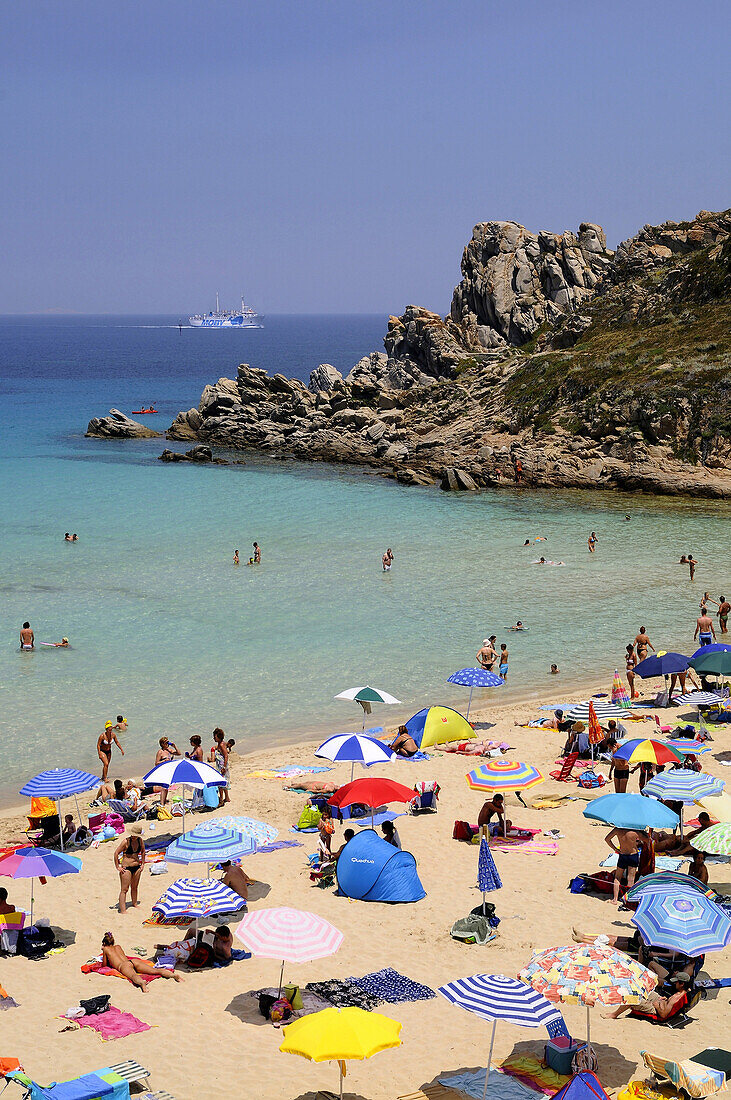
pixel 686 746
pixel 586 974
pixel 681 785
pixel 620 695
pixel 690 923
pixel 503 775
pixel 649 751
pixel 667 882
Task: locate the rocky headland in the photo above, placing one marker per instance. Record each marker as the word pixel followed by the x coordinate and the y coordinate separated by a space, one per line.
pixel 560 363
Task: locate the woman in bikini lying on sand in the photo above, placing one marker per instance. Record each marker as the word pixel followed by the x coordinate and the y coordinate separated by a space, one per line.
pixel 114 956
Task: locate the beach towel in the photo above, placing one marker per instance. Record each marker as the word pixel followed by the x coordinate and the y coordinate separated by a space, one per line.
pixel 343 994
pixel 475 928
pixel 393 988
pixel 287 772
pixel 416 757
pixel 500 1086
pixel 662 863
pixel 112 1024
pixel 378 819
pixel 531 847
pixel 96 967
pixel 534 1073
pixel 277 844
pixel 237 955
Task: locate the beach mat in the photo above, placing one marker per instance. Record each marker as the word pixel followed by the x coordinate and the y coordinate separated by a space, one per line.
pixel 390 987
pixel 429 1092
pixel 109 972
pixel 112 1024
pixel 532 847
pixel 500 1086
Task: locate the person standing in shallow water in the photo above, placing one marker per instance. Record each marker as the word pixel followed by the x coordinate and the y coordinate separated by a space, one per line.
pixel 592 542
pixel 257 554
pixel 387 560
pixel 27 637
pixel 691 565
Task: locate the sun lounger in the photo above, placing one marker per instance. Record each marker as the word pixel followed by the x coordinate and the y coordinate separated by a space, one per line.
pixel 117 806
pixel 692 1077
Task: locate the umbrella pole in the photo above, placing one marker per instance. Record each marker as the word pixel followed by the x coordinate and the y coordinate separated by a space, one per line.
pixel 469 702
pixel 340 1068
pixel 489 1059
pixel 352 771
pixel 60 824
pixel 31 901
pixel 281 976
pixel 78 811
pixel 588 1029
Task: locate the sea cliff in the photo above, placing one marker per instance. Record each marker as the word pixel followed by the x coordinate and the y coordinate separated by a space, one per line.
pixel 560 363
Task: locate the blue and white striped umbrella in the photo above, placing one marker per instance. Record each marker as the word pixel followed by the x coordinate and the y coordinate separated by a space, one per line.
pixel 682 785
pixel 259 831
pixel 487 873
pixel 183 772
pixel 475 678
pixel 699 699
pixel 198 897
pixel 579 712
pixel 496 997
pixel 357 748
pixel 210 843
pixel 59 783
pixel 690 923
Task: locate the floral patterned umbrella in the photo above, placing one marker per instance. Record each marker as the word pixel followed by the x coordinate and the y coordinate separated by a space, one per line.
pixel 584 973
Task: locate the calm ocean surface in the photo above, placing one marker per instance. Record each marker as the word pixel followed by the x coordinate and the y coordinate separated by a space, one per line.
pixel 167 631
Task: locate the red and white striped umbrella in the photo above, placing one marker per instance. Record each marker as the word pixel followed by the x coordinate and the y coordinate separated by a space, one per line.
pixel 288 934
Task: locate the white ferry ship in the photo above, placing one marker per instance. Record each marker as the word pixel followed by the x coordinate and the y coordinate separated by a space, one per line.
pixel 245 317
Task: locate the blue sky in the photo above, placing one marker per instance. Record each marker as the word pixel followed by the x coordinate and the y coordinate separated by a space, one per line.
pixel 334 156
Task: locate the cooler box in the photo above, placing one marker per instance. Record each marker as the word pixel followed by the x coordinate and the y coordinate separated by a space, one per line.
pixel 560 1053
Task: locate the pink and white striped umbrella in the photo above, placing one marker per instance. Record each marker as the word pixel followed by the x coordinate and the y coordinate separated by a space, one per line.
pixel 288 934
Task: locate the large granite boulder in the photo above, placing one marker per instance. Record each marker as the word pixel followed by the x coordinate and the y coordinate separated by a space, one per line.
pixel 119 426
pixel 514 281
pixel 325 379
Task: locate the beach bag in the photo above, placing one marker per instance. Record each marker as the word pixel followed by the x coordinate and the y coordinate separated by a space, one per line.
pixel 293 995
pixel 116 821
pixel 94 1006
pixel 35 942
pixel 163 814
pixel 589 779
pixel 462 831
pixel 309 818
pixel 577 885
pixel 201 956
pixel 585 1061
pixel 265 1004
pixel 281 1010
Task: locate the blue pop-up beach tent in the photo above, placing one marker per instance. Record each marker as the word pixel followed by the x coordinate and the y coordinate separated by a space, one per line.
pixel 582 1086
pixel 371 869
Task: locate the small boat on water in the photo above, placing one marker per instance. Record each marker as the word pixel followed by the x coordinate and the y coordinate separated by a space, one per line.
pixel 144 412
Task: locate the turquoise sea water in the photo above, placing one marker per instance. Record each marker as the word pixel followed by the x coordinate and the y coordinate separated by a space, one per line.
pixel 167 631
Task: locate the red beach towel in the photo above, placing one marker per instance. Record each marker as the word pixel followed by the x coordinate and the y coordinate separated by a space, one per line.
pixel 110 972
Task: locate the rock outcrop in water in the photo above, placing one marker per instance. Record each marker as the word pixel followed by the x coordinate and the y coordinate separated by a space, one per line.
pixel 119 426
pixel 561 363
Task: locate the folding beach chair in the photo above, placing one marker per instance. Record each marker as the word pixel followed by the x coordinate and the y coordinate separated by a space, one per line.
pixel 564 775
pixel 11 925
pixel 692 1077
pixel 121 808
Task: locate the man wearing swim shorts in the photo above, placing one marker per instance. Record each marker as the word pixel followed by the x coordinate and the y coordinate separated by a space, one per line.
pixel 27 637
pixel 503 669
pixel 627 847
pixel 705 631
pixel 723 609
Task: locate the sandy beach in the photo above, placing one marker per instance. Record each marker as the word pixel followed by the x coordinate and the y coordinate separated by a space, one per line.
pixel 208 1039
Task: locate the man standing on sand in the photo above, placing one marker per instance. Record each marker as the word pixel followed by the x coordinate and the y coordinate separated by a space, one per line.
pixel 27 637
pixel 629 842
pixel 257 554
pixel 642 642
pixel 723 609
pixel 705 631
pixel 486 655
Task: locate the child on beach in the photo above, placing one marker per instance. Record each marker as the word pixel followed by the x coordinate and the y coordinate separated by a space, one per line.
pixel 503 669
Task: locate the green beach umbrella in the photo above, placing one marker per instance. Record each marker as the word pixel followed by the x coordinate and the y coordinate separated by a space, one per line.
pixel 716 840
pixel 365 696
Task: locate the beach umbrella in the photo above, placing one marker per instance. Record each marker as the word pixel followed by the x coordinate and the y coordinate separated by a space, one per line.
pixel 475 678
pixel 487 873
pixel 649 751
pixel 589 975
pixel 185 773
pixel 692 924
pixel 36 863
pixel 365 696
pixel 579 712
pixel 495 997
pixel 436 725
pixel 712 660
pixel 60 783
pixel 596 733
pixel 685 746
pixel 372 791
pixel 339 1035
pixel 358 748
pixel 718 804
pixel 210 843
pixel 503 775
pixel 666 882
pixel 288 934
pixel 197 898
pixel 261 833
pixel 700 699
pixel 631 811
pixel 716 840
pixel 663 663
pixel 620 695
pixel 681 785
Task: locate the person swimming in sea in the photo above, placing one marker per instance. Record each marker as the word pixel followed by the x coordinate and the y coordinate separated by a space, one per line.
pixel 555 670
pixel 236 557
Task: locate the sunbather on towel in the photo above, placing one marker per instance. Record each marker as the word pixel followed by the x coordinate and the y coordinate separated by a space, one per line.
pixel 236 879
pixel 656 1005
pixel 115 957
pixel 403 743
